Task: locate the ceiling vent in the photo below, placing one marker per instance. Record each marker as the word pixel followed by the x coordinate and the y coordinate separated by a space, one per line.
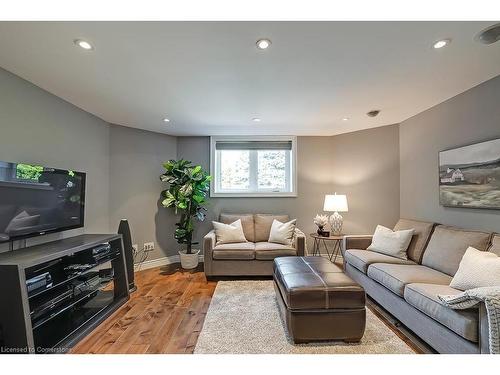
pixel 489 35
pixel 373 113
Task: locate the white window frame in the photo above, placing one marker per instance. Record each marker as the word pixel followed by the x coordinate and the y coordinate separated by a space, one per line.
pixel 215 167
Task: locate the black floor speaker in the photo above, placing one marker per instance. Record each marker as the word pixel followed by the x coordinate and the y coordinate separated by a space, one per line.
pixel 124 230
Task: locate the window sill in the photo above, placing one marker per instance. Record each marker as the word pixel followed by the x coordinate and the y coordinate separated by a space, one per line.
pixel 253 195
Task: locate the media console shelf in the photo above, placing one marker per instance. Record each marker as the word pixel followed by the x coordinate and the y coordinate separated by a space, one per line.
pixel 52 295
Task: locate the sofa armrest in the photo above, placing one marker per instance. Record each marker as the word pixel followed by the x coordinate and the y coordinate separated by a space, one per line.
pixel 208 246
pixel 360 242
pixel 484 332
pixel 300 243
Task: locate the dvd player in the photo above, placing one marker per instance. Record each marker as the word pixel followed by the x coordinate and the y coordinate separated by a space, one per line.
pixel 105 247
pixel 39 282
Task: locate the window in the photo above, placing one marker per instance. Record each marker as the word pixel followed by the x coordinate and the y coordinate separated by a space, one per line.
pixel 260 166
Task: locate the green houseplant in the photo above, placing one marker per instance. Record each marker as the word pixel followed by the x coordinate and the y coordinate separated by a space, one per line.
pixel 186 195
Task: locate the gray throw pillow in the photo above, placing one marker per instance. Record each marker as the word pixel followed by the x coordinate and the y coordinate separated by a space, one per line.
pixel 389 242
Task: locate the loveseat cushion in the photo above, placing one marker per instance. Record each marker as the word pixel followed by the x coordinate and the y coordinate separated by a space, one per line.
pixel 495 244
pixel 448 244
pixel 246 222
pixel 361 259
pixel 421 234
pixel 396 276
pixel 234 251
pixel 263 224
pixel 269 251
pixel 424 297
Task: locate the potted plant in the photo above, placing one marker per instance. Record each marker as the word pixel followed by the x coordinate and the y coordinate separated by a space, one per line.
pixel 187 195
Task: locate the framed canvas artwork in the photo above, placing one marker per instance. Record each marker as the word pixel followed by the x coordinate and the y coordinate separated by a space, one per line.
pixel 469 176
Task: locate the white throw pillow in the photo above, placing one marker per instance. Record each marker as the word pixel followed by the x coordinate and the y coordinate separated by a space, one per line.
pixel 477 269
pixel 389 242
pixel 282 232
pixel 229 233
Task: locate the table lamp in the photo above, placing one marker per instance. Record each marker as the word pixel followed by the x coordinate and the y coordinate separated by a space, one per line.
pixel 336 203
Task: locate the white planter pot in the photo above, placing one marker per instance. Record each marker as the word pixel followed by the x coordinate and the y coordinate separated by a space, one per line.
pixel 189 261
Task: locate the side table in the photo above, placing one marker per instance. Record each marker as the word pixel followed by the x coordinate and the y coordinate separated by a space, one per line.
pixel 320 240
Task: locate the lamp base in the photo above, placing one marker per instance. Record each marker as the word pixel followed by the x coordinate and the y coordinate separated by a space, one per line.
pixel 336 222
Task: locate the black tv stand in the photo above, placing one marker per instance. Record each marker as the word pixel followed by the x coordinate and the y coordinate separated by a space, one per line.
pixel 54 294
pixel 21 245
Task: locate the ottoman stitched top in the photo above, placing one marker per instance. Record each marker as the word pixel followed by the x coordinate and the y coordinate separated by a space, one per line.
pixel 314 282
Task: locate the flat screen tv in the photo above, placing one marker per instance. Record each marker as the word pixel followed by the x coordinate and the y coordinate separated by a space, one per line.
pixel 35 200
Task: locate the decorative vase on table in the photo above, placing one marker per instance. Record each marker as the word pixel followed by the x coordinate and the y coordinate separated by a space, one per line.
pixel 336 203
pixel 321 221
pixel 187 195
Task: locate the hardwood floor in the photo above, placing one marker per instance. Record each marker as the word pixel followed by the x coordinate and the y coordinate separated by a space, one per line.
pixel 164 315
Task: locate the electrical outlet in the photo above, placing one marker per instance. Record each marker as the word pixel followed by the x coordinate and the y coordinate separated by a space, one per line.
pixel 136 248
pixel 149 246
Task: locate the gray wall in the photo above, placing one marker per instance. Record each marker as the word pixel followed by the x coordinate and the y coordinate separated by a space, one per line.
pixel 136 159
pixel 312 151
pixel 363 165
pixel 470 117
pixel 122 164
pixel 38 127
pixel 385 171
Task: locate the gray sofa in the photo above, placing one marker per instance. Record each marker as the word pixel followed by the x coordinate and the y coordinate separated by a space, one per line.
pixel 252 258
pixel 408 289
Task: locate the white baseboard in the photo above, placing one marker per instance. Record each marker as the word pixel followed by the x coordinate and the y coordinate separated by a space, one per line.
pixel 153 263
pixel 160 262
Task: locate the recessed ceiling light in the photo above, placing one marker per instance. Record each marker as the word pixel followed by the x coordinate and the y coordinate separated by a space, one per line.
pixel 166 120
pixel 490 35
pixel 345 119
pixel 373 113
pixel 256 119
pixel 263 43
pixel 441 43
pixel 83 44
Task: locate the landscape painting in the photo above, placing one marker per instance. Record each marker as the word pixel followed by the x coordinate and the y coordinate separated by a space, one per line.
pixel 469 176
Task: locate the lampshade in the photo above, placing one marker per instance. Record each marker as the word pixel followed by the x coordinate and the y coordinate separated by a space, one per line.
pixel 335 203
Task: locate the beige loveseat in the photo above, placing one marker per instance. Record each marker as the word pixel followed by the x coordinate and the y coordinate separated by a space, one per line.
pixel 409 289
pixel 252 258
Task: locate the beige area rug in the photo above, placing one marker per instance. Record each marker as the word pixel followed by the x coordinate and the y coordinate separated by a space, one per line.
pixel 243 317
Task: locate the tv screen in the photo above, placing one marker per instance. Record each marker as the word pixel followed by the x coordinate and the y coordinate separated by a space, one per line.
pixel 35 200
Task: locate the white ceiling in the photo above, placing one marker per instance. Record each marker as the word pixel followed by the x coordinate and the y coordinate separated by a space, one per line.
pixel 210 79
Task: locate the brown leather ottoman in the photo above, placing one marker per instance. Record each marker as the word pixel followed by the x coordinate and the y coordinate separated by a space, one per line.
pixel 318 301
